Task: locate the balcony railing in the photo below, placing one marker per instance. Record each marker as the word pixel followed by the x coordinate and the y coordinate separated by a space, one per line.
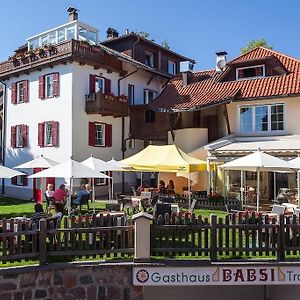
pixel 107 105
pixel 48 56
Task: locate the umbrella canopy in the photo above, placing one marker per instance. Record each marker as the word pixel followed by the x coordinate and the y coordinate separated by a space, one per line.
pixel 6 172
pixel 40 162
pixel 259 161
pixel 101 165
pixel 168 158
pixel 69 169
pixel 119 166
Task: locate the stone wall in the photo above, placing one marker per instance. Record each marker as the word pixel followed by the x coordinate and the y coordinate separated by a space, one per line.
pixel 69 281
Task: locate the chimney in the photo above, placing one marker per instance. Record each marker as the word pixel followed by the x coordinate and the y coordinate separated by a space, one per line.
pixel 111 33
pixel 186 68
pixel 73 15
pixel 221 61
pixel 126 31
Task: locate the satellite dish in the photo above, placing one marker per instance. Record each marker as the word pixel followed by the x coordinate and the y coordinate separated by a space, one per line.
pixel 221 64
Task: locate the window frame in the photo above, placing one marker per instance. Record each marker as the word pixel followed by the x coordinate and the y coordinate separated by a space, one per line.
pixel 19 136
pixel 45 134
pixel 269 123
pixel 250 67
pixel 174 66
pixel 131 93
pixel 151 58
pixel 103 84
pixel 103 132
pixel 51 75
pixel 20 180
pixel 20 91
pixel 146 92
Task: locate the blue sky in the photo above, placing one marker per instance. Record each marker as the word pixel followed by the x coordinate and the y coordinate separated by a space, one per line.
pixel 195 28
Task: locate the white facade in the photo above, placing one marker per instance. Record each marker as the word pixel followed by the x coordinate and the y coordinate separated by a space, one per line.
pixel 69 110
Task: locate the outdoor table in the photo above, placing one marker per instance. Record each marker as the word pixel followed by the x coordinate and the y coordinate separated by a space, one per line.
pixel 175 208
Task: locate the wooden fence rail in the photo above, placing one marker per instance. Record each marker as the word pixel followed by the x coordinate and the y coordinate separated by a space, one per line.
pixel 76 237
pixel 239 236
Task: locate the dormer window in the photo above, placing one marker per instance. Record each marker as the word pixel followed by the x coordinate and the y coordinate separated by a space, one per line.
pixel 250 72
pixel 149 59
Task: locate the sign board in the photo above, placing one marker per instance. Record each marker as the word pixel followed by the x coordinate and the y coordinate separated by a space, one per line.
pixel 223 275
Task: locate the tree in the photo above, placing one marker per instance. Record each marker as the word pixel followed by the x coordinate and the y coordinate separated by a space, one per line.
pixel 145 35
pixel 165 44
pixel 255 43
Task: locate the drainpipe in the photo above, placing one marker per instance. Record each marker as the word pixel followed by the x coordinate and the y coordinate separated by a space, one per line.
pixel 123 147
pixel 3 129
pixel 133 46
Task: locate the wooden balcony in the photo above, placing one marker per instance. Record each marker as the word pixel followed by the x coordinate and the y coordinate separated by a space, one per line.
pixel 155 130
pixel 106 105
pixel 83 53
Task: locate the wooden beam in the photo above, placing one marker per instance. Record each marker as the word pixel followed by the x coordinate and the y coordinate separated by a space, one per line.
pixel 150 79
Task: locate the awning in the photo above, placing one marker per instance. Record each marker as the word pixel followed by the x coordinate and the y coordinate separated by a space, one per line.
pixel 280 145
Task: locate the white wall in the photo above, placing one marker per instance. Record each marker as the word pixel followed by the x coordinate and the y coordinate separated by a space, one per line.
pixel 36 111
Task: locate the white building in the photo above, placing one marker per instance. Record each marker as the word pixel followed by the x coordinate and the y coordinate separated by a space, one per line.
pixel 66 96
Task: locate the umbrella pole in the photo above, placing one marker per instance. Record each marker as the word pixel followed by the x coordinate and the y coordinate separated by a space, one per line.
pixel 93 189
pixel 69 198
pixel 189 186
pixel 298 186
pixel 112 186
pixel 258 190
pixel 242 188
pixel 274 186
pixel 109 190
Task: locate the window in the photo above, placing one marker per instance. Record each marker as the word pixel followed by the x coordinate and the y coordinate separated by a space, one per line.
pixel 19 92
pixel 61 35
pixel 19 136
pixel 52 38
pixel 45 40
pixel 149 96
pixel 20 180
pixel 100 134
pixel 99 84
pixel 49 86
pixel 130 94
pixel 250 72
pixel 92 36
pixel 171 67
pixel 48 134
pixel 70 33
pixel 100 181
pixel 261 118
pixel 149 59
pixel 149 116
pixel 82 34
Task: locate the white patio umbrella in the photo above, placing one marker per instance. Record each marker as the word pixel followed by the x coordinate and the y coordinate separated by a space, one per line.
pixel 40 162
pixel 257 162
pixel 101 166
pixel 69 169
pixel 6 172
pixel 296 162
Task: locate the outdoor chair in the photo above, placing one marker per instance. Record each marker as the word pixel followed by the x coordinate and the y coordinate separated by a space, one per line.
pixel 192 207
pixel 84 200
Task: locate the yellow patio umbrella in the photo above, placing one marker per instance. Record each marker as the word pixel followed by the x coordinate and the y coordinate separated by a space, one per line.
pixel 167 158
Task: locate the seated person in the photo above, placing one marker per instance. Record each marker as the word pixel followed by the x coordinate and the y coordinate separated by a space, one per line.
pixel 82 192
pixel 58 211
pixel 139 190
pixel 60 196
pixel 161 187
pixel 170 187
pixel 49 194
pixel 39 213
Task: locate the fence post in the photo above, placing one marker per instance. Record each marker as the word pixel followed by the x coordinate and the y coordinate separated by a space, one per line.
pixel 213 237
pixel 142 236
pixel 42 241
pixel 281 240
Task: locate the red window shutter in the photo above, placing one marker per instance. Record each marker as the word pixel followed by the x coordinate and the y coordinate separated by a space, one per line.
pixel 56 84
pixel 55 126
pixel 108 135
pixel 107 86
pixel 41 134
pixel 14 93
pixel 13 136
pixel 25 90
pixel 41 87
pixel 14 180
pixel 25 135
pixel 92 133
pixel 92 84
